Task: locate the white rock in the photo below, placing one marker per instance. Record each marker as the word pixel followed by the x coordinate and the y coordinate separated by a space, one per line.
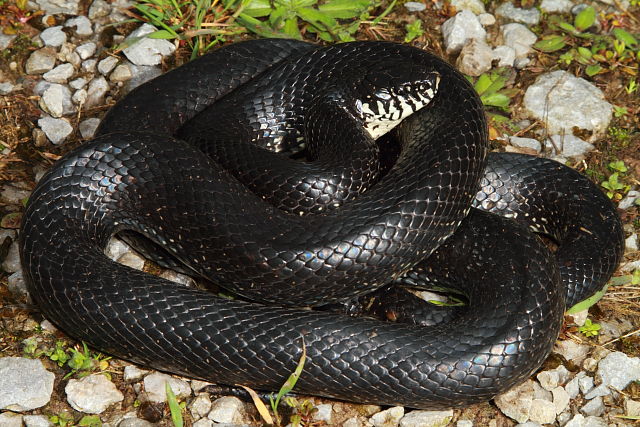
pixel 426 418
pixel 59 74
pixel 630 200
pixel 99 9
pixel 78 83
pixel 5 40
pixel 36 421
pixel 615 371
pixel 506 56
pixel 24 384
pixel 204 422
pixel 200 406
pixel 96 91
pixel 92 394
pixel 631 243
pixel 227 410
pixel 17 286
pixel 561 399
pixel 414 6
pixel 475 6
pixel 9 419
pixel 353 422
pixel 53 36
pixel 107 64
pixel 196 385
pixel 86 50
pixel 542 411
pixel 464 423
pixel 89 65
pixel 154 385
pixel 573 387
pixel 460 29
pixel 147 51
pixel 6 88
pixel 132 373
pixel 594 407
pixel 516 403
pixel 56 100
pixel 572 351
pixel 518 37
pixel 79 97
pixel 387 418
pixel 516 14
pixel 486 19
pixel 121 73
pixel 135 422
pixel 551 6
pixel 631 407
pixel 568 146
pixel 475 58
pixel 57 130
pixel 52 7
pixel 88 127
pixel 563 101
pixel 81 24
pixel 41 61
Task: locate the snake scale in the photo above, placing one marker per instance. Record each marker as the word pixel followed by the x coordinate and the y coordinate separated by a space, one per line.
pixel 296 204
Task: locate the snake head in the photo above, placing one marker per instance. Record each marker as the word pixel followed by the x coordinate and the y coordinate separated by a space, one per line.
pixel 385 97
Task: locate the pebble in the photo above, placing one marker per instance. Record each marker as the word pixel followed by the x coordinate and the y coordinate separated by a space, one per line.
pixel 486 19
pixel 586 384
pixel 36 421
pixel 107 64
pixel 615 371
pixel 147 51
pixel 81 24
pixel 154 385
pixel 99 9
pixel 78 83
pixel 86 50
pixel 24 384
pixel 227 410
pixel 121 73
pixel 135 422
pixel 387 418
pixel 132 373
pixel 9 419
pixel 580 421
pixel 414 6
pixel 475 6
pixel 464 423
pixel 518 37
pixel 631 243
pixel 6 88
pixel 57 130
pixel 561 399
pixel 629 200
pixel 53 7
pixel 41 61
pixel 89 65
pixel 17 286
pixel 572 351
pixel 11 262
pixel 542 411
pixel 524 16
pixel 631 407
pixel 200 406
pixel 506 57
pixel 475 58
pixel 88 127
pixel 516 403
pixel 556 6
pixel 92 394
pixel 563 102
pixel 568 146
pixel 60 74
pixel 79 97
pixel 531 143
pixel 426 418
pixel 5 40
pixel 96 91
pixel 553 378
pixel 594 407
pixel 56 100
pixel 53 36
pixel 141 74
pixel 460 29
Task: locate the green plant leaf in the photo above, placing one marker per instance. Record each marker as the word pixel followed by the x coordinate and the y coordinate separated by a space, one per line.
pixel 291 28
pixel 495 100
pixel 585 304
pixel 550 44
pixel 584 52
pixel 313 16
pixel 174 406
pixel 258 8
pixel 567 27
pixel 482 84
pixel 624 37
pixel 162 34
pixel 592 70
pixel 585 19
pixel 256 26
pixel 344 9
pixel 90 421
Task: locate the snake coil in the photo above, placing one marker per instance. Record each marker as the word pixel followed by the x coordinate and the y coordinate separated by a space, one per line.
pixel 231 216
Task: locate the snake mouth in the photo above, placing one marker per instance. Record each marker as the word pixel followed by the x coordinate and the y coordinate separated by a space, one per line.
pixel 387 107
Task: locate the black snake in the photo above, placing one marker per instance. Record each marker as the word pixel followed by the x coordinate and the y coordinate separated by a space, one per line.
pixel 315 113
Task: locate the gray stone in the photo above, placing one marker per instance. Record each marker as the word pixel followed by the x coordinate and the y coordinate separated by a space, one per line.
pixel 324 413
pixel 464 423
pixel 11 262
pixel 107 64
pixel 200 406
pixel 78 83
pixel 414 6
pixel 426 418
pixel 52 7
pixel 486 19
pixel 630 200
pixel 5 40
pixel 475 6
pixel 6 88
pixel 568 146
pixel 529 424
pixel 630 245
pixel 88 127
pixel 131 372
pixel 86 50
pixel 96 91
pixel 572 351
pixel 580 421
pixel 505 55
pixel 204 422
pixel 121 73
pixel 36 421
pixel 13 193
pixel 516 403
pixel 542 411
pixel 17 286
pixel 615 371
pixel 56 100
pixel 573 387
pixel 227 410
pixel 524 16
pixel 41 61
pixel 141 74
pixel 561 399
pixel 475 58
pixel 387 418
pixel 57 130
pixel 24 384
pixel 460 29
pixel 53 36
pixel 196 385
pixel 353 422
pixel 59 74
pixel 541 393
pixel 89 65
pixel 154 385
pixel 81 24
pixel 553 6
pixel 99 9
pixel 79 97
pixel 183 279
pixel 631 407
pixel 147 51
pixel 563 102
pixel 594 407
pixel 9 419
pixel 520 38
pixel 92 394
pixel 135 422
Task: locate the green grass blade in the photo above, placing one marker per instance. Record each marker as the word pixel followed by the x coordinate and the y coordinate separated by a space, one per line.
pixel 174 406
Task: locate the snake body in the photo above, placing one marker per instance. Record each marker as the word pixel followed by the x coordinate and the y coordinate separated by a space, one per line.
pixel 364 226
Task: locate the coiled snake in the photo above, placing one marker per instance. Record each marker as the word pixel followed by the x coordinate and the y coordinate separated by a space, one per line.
pixel 255 106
